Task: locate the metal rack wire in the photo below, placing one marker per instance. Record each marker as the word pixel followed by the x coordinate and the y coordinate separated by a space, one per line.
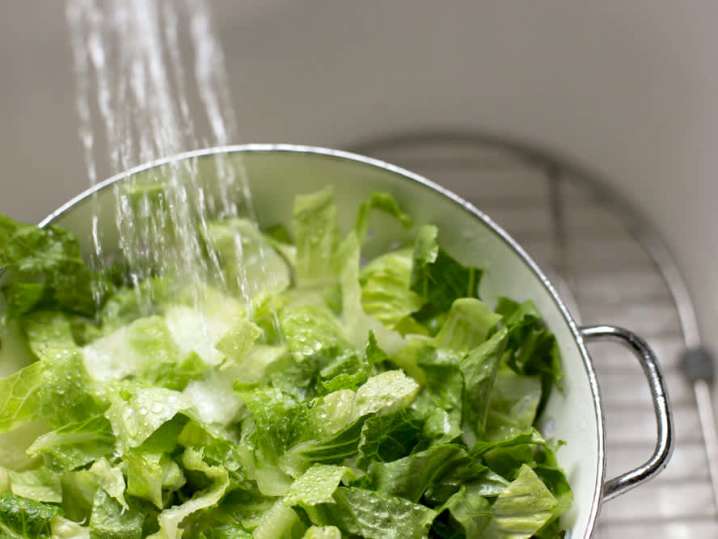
pixel 611 268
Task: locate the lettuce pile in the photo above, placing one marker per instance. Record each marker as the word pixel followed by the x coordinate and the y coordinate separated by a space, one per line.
pixel 347 398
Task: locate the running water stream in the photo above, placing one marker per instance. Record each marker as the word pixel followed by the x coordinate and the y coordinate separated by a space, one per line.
pixel 137 103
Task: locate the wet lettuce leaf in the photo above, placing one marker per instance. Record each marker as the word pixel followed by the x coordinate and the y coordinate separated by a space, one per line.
pixel 523 508
pixel 386 294
pixel 314 223
pixel 379 202
pixel 111 520
pixel 74 445
pixel 374 515
pixel 42 267
pixel 437 277
pixel 23 518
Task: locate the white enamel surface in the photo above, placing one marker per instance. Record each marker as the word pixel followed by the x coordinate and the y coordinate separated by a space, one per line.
pixel 573 416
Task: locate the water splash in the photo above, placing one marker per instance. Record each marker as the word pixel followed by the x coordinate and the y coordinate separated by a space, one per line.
pixel 137 103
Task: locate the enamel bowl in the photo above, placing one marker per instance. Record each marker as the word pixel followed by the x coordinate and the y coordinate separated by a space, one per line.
pixel 279 172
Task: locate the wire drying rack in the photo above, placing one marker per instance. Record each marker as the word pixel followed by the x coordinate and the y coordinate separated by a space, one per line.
pixel 610 267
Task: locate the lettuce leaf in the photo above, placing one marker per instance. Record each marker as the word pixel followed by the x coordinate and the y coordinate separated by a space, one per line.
pixel 383 202
pixel 533 348
pixel 314 223
pixel 470 510
pixel 377 516
pixel 22 518
pixel 19 399
pixel 249 263
pixel 171 519
pixel 467 325
pixel 150 475
pixel 111 480
pixel 41 485
pixel 317 485
pixel 388 437
pixel 385 288
pixel 523 508
pixel 74 445
pixel 137 412
pixel 437 277
pixel 42 266
pixel 323 532
pixel 280 522
pixel 63 528
pixel 411 476
pixel 110 519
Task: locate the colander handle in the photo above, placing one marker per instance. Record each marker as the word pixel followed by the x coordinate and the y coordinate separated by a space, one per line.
pixel 664 444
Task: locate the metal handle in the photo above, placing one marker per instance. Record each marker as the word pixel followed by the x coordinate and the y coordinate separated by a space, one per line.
pixel 664 444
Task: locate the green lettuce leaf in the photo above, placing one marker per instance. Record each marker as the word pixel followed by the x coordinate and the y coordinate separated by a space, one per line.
pixel 49 335
pixel 386 392
pixel 383 202
pixel 19 396
pixel 74 444
pixel 411 476
pixel 171 519
pixel 311 333
pixel 21 518
pixel 280 522
pixel 150 474
pixel 356 323
pixel 317 485
pixel 533 348
pixel 385 288
pixel 470 473
pixel 40 485
pixel 467 325
pixel 111 521
pixel 67 394
pixel 146 350
pixel 15 443
pixel 58 391
pixel 514 404
pixel 479 369
pixel 42 267
pixel 388 437
pixel 239 341
pixel 111 480
pixel 63 528
pixel 323 532
pixel 249 263
pixel 347 371
pixel 470 510
pixel 78 494
pixel 437 277
pixel 314 223
pixel 15 352
pixel 440 404
pixel 377 516
pixel 523 508
pixel 136 413
pixel 218 448
pixel 330 414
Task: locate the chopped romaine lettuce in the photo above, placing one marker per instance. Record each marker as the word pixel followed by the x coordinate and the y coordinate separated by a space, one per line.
pixel 304 392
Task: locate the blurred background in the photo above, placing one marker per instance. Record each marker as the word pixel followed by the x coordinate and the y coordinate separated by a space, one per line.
pixel 587 129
